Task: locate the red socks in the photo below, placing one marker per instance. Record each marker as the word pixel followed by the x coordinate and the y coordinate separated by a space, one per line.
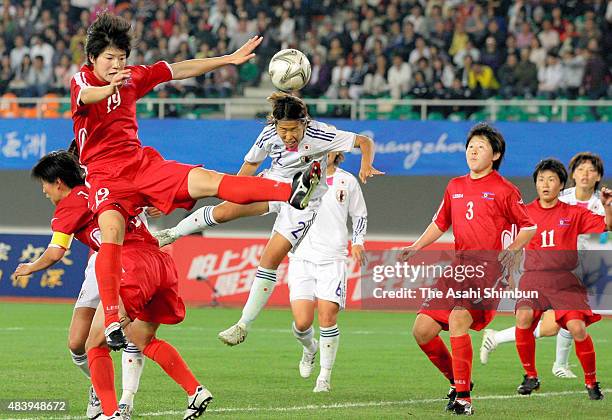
pixel 169 359
pixel 586 354
pixel 103 378
pixel 437 352
pixel 525 346
pixel 251 189
pixel 462 365
pixel 108 274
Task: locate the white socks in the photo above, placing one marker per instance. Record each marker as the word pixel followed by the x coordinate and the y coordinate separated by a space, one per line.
pixel 328 347
pixel 196 222
pixel 80 360
pixel 306 338
pixel 507 335
pixel 564 345
pixel 262 288
pixel 132 364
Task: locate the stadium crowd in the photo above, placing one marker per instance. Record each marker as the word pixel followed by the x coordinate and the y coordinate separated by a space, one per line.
pixel 454 49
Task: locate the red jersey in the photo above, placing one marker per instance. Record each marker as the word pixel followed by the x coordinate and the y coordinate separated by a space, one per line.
pixel 107 131
pixel 73 217
pixel 558 229
pixel 480 210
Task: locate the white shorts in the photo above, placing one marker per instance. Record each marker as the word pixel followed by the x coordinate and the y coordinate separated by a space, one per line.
pixel 308 280
pixel 89 296
pixel 291 223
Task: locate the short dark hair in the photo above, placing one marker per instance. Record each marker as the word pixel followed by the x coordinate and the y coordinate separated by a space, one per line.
pixel 108 30
pixel 493 136
pixel 59 164
pixel 553 165
pixel 287 107
pixel 582 157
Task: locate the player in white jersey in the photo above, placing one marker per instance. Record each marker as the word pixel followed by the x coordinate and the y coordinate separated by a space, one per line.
pixel 318 270
pixel 587 170
pixel 295 143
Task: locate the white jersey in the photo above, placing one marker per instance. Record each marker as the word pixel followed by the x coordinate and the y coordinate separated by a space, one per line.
pixel 594 204
pixel 319 139
pixel 327 238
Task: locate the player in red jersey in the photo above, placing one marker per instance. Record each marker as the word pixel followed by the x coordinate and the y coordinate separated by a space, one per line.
pixel 479 206
pixel 149 286
pixel 124 176
pixel 548 271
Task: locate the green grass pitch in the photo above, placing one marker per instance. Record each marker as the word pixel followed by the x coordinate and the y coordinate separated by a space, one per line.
pixel 380 372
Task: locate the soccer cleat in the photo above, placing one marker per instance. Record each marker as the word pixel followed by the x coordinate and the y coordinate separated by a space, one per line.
pixel 563 372
pixel 165 237
pixel 234 335
pixel 529 385
pixel 594 392
pixel 126 411
pixel 322 386
pixel 115 339
pixel 94 409
pixel 303 186
pixel 452 395
pixel 488 345
pixel 307 362
pixel 115 416
pixel 462 408
pixel 197 403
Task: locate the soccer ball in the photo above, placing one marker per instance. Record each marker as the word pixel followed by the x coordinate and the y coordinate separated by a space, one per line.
pixel 289 70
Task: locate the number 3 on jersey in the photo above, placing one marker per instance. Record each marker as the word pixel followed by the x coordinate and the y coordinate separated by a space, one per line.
pixel 469 214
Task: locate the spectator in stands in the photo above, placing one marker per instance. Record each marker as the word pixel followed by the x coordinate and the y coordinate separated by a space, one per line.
pixel 377 35
pixel 38 78
pixel 596 73
pixel 442 71
pixel 495 31
pixel 222 15
pixel 241 35
pixel 549 38
pixel 420 88
pixel 320 77
pixel 6 73
pixel 510 47
pixel 550 77
pixel 508 77
pixel 570 38
pixel 424 67
pixel 340 75
pixel 19 51
pixel 60 49
pixel 491 56
pixel 408 40
pixel 162 23
pixel 527 75
pixel 460 39
pixel 417 19
pixel 62 73
pixel 399 77
pixel 573 72
pixel 335 51
pixel 375 83
pixel 19 84
pixel 342 111
pixel 433 19
pixel 459 92
pixel 524 37
pixel 286 29
pixel 440 37
pixel 589 32
pixel 176 39
pixel 352 34
pixel 357 77
pixel 475 25
pixel 420 51
pixel 470 50
pixel 482 81
pixel 538 53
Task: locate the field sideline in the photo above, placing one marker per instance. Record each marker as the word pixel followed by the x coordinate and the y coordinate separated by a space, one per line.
pixel 379 373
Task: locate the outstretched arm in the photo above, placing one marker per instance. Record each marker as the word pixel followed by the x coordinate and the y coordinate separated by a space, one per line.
pixel 606 200
pixel 51 255
pixel 366 145
pixel 193 68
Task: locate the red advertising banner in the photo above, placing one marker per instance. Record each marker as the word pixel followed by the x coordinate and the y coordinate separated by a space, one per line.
pixel 221 270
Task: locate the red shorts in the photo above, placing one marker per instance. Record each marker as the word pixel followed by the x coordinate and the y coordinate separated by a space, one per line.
pixel 481 317
pixel 561 291
pixel 481 309
pixel 149 285
pixel 144 179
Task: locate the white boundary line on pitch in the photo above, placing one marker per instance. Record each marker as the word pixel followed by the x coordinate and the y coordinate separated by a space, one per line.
pixel 336 405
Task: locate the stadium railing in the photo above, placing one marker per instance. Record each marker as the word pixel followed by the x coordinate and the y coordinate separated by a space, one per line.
pixel 538 110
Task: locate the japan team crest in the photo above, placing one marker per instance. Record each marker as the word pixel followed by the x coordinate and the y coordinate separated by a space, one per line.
pixel 341 196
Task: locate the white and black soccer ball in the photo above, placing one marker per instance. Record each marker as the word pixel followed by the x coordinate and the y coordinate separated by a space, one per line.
pixel 289 70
